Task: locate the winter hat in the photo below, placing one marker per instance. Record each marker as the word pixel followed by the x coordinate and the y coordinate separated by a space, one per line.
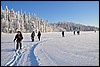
pixel 18 31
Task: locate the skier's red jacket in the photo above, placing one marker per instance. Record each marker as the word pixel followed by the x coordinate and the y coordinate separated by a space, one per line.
pixel 19 37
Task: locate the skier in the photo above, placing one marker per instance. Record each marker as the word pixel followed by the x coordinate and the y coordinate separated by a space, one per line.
pixel 39 35
pixel 74 32
pixel 32 36
pixel 62 33
pixel 19 38
pixel 78 32
pixel 95 31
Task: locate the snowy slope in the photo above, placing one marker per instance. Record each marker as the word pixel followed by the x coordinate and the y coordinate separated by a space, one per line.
pixel 52 50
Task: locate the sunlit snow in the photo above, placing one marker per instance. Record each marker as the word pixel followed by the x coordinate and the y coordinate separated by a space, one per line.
pixel 52 50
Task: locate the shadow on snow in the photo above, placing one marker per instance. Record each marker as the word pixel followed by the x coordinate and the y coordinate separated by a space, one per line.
pixel 32 55
pixel 7 50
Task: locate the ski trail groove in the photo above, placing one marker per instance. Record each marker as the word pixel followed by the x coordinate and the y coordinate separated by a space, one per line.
pixel 15 59
pixel 33 60
pixel 49 57
pixel 17 55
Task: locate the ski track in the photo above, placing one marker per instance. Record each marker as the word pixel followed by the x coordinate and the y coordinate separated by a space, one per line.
pixel 18 55
pixel 22 57
pixel 49 57
pixel 32 55
pixel 4 60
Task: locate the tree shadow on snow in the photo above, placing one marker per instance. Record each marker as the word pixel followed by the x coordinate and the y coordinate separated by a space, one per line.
pixel 7 42
pixel 7 50
pixel 26 41
pixel 31 41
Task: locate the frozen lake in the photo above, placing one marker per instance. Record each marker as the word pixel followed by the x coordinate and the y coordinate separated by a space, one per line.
pixel 52 50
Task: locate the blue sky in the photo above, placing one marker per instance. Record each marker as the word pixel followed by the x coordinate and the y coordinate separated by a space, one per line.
pixel 83 12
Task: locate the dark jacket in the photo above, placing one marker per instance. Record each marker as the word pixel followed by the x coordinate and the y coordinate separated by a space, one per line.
pixel 19 37
pixel 33 34
pixel 62 32
pixel 39 34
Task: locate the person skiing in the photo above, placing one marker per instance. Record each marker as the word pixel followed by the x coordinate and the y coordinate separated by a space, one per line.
pixel 74 32
pixel 32 36
pixel 62 33
pixel 39 35
pixel 18 39
pixel 78 32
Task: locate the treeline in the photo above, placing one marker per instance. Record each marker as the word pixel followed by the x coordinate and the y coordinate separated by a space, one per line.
pixel 70 26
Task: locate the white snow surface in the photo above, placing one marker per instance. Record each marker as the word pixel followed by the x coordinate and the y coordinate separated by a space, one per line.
pixel 52 50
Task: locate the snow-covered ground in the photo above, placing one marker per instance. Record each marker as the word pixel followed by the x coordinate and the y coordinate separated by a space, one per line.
pixel 52 50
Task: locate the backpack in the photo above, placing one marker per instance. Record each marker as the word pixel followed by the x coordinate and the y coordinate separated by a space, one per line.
pixel 33 34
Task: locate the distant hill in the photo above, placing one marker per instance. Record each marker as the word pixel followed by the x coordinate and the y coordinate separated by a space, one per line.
pixel 70 26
